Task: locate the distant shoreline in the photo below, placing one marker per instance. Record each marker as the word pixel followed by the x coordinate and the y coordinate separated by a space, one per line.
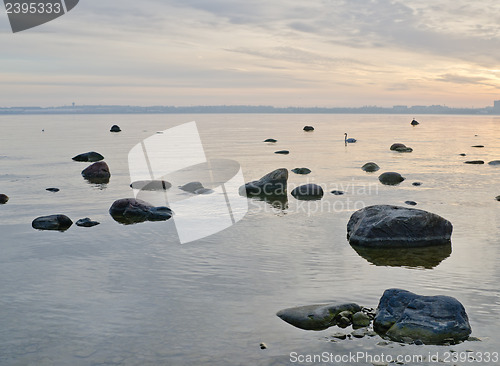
pixel 242 109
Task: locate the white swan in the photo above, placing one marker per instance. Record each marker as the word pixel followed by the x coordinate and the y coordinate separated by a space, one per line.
pixel 350 140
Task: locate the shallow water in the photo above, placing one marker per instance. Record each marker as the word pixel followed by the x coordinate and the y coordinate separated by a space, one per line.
pixel 133 295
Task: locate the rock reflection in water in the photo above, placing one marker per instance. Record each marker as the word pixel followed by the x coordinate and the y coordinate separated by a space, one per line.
pixel 426 257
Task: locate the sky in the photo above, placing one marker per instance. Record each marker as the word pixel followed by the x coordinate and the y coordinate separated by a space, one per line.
pixel 324 53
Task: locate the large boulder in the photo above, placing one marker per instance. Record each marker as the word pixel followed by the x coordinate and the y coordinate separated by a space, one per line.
pixel 132 211
pixel 391 178
pixel 386 226
pixel 90 156
pixel 406 317
pixel 52 222
pixel 308 191
pixel 271 184
pixel 97 172
pixel 316 317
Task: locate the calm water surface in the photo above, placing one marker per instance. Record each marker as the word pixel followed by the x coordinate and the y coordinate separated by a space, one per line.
pixel 133 295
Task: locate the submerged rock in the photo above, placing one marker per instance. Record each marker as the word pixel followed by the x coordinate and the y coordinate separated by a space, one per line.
pixel 115 128
pixel 271 184
pixel 3 199
pixel 132 210
pixel 337 193
pixel 474 162
pixel 494 162
pixel 86 222
pixel 390 178
pixel 97 172
pixel 151 185
pixel 90 156
pixel 270 140
pixel 316 317
pixel 370 167
pixel 52 222
pixel 406 317
pixel 308 128
pixel 191 187
pixel 301 170
pixel 386 226
pixel 404 149
pixel 308 191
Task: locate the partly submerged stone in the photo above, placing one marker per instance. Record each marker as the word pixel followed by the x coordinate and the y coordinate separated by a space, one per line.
pixel 474 162
pixel 308 191
pixel 301 170
pixel 316 317
pixel 3 199
pixel 115 128
pixel 397 145
pixel 151 185
pixel 494 162
pixel 308 128
pixel 406 317
pixel 97 172
pixel 52 222
pixel 370 167
pixel 386 226
pixel 390 178
pixel 282 152
pixel 271 184
pixel 132 210
pixel 270 140
pixel 86 222
pixel 90 156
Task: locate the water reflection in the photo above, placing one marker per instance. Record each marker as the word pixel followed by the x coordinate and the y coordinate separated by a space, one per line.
pixel 427 257
pixel 278 203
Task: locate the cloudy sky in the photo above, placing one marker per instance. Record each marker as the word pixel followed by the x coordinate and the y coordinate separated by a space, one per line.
pixel 273 52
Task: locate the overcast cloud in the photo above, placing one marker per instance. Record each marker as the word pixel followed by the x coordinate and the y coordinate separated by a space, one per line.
pixel 320 52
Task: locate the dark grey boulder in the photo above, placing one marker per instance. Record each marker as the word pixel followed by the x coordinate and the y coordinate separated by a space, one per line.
pixel 151 185
pixel 191 187
pixel 308 128
pixel 52 222
pixel 52 189
pixel 308 191
pixel 270 140
pixel 370 167
pixel 474 162
pixel 115 128
pixel 86 222
pixel 90 156
pixel 301 170
pixel 494 162
pixel 406 317
pixel 131 211
pixel 282 152
pixel 97 172
pixel 3 199
pixel 390 178
pixel 271 184
pixel 386 226
pixel 316 317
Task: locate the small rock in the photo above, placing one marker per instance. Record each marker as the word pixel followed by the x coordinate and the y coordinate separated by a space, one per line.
pixel 462 154
pixel 90 156
pixel 191 187
pixel 52 222
pixel 370 167
pixel 263 346
pixel 301 170
pixel 497 198
pixel 477 146
pixel 397 145
pixel 339 335
pixel 383 343
pixel 282 152
pixel 86 222
pixel 494 162
pixel 474 339
pixel 115 128
pixel 337 193
pixel 474 162
pixel 360 333
pixel 390 178
pixel 361 319
pixel 151 185
pixel 414 122
pixel 308 128
pixel 3 199
pixel 343 322
pixel 416 184
pixel 270 140
pixel 411 203
pixel 308 191
pixel 52 189
pixel 316 317
pixel 404 149
pixel 204 191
